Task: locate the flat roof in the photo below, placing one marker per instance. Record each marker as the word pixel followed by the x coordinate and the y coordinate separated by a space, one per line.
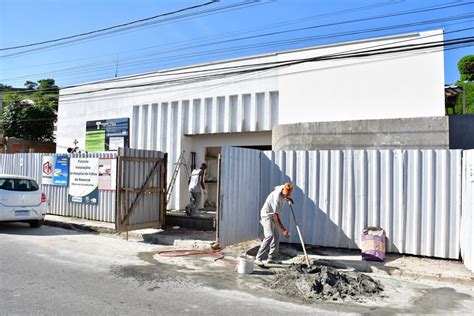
pixel 236 59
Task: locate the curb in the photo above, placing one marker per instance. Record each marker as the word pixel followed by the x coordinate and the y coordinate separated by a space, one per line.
pixel 181 243
pixel 80 227
pixel 149 238
pixel 428 276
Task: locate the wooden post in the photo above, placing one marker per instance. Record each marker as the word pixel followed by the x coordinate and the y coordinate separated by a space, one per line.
pixel 218 211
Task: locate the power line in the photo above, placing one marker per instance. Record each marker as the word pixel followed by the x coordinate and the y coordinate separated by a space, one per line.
pixel 92 68
pixel 86 68
pixel 406 12
pixel 246 67
pixel 244 31
pixel 243 3
pixel 337 56
pixel 110 27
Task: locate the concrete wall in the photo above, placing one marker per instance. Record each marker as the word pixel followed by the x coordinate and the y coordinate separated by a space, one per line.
pixel 17 145
pixel 412 133
pixel 379 87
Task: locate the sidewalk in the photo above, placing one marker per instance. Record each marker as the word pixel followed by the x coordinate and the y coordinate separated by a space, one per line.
pixel 181 237
pixel 344 259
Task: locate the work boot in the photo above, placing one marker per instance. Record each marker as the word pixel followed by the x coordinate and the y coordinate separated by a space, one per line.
pixel 272 261
pixel 259 263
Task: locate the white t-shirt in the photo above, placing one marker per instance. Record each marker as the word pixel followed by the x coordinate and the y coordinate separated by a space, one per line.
pixel 273 204
pixel 195 184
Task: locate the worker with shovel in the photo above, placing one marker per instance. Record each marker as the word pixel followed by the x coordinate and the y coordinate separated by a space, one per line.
pixel 270 220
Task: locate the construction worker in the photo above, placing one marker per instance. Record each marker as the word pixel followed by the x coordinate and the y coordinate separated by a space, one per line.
pixel 196 185
pixel 270 220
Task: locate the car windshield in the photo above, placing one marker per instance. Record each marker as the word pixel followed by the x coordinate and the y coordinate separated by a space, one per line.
pixel 10 184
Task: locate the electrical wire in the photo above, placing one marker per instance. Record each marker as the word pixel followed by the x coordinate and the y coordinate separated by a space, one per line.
pixel 279 43
pixel 337 56
pixel 424 9
pixel 114 27
pixel 224 35
pixel 244 3
pixel 248 67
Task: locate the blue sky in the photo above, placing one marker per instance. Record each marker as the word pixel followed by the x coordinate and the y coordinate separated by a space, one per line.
pixel 166 45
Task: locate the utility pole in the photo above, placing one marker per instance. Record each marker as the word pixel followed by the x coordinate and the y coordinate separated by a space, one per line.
pixel 116 66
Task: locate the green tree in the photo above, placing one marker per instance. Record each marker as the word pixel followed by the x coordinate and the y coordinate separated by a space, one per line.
pixel 30 120
pixel 466 68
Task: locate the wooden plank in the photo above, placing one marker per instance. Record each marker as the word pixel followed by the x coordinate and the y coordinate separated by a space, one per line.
pixel 218 211
pixel 118 200
pixel 154 224
pixel 147 190
pixel 164 177
pixel 142 159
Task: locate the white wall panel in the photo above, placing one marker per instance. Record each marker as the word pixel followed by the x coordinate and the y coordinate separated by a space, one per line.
pixel 467 217
pixel 240 195
pixel 370 182
pixel 414 195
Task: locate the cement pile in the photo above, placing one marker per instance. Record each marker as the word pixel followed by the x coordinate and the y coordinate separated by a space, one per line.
pixel 324 283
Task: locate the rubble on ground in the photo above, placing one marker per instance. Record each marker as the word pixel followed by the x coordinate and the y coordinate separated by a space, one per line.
pixel 324 283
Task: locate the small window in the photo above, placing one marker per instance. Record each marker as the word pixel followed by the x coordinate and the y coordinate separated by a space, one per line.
pixel 18 185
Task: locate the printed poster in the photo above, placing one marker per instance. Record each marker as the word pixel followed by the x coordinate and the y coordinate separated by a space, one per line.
pixel 116 142
pixel 107 174
pixel 84 180
pixel 107 135
pixel 95 141
pixel 55 170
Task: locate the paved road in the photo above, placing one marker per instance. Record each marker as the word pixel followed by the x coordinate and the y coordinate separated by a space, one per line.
pixel 52 271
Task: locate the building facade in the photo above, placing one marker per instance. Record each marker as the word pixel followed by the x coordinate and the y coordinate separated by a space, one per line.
pixel 238 102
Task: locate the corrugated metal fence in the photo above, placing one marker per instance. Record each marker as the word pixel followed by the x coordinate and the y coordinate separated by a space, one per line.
pixel 240 195
pixel 415 195
pixel 467 219
pixel 30 165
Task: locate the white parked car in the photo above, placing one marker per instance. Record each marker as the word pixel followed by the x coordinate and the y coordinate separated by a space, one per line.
pixel 21 200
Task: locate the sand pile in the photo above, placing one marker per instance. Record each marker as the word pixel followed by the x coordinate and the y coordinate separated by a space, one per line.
pixel 324 283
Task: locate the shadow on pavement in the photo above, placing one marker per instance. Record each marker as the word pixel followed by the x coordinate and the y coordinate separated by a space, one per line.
pixel 18 228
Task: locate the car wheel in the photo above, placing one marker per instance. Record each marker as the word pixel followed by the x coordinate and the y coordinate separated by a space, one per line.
pixel 35 224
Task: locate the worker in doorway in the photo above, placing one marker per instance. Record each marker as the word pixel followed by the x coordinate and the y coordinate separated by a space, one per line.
pixel 196 185
pixel 269 219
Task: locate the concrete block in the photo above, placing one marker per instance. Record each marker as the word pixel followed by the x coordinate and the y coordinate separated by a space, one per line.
pixel 405 133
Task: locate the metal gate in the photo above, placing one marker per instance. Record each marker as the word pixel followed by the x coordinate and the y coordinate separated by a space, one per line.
pixel 239 205
pixel 141 189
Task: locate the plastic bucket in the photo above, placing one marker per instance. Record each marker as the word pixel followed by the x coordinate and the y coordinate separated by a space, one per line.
pixel 244 265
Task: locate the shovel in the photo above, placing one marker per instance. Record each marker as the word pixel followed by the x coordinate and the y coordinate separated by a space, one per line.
pixel 299 234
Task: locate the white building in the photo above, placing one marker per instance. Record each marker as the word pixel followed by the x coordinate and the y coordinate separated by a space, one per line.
pixel 202 107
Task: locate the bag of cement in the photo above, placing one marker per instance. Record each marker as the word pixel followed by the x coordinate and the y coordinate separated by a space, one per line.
pixel 373 244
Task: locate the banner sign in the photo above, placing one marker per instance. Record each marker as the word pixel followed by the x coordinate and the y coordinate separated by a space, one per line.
pixel 84 180
pixel 107 135
pixel 107 174
pixel 55 170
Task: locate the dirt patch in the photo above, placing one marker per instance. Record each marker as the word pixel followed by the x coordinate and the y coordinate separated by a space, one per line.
pixel 324 283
